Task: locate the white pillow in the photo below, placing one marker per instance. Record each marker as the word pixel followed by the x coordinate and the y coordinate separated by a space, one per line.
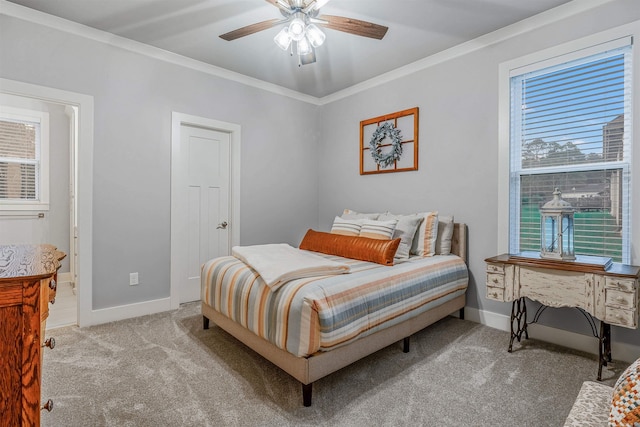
pixel 424 243
pixel 346 227
pixel 381 230
pixel 405 230
pixel 349 214
pixel 445 232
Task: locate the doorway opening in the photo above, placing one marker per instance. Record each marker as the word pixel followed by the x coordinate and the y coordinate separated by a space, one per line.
pixel 79 110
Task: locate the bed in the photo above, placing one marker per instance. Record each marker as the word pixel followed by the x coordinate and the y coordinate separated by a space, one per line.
pixel 311 327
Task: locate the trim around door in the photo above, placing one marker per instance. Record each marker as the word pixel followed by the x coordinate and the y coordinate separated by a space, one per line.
pixel 84 173
pixel 177 232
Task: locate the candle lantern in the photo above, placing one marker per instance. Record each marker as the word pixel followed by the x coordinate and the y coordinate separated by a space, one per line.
pixel 556 229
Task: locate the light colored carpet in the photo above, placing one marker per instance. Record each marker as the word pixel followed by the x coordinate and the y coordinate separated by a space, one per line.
pixel 165 370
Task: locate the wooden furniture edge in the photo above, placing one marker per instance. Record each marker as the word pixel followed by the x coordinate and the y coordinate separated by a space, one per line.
pixel 616 269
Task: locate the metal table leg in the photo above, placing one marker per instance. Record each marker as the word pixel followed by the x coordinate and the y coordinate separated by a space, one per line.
pixel 604 347
pixel 519 320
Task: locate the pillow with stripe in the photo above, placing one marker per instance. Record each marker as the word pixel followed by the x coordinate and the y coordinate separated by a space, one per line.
pixel 346 227
pixel 381 230
pixel 424 243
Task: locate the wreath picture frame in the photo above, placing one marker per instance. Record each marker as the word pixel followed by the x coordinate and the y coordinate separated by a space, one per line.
pixel 389 143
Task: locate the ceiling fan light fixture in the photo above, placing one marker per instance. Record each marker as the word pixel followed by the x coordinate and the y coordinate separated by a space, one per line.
pixel 315 35
pixel 309 58
pixel 283 38
pixel 304 47
pixel 297 29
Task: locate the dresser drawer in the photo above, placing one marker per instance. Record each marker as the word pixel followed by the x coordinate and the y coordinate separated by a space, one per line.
pixel 621 317
pixel 627 285
pixel 496 294
pixel 495 280
pixel 495 268
pixel 616 298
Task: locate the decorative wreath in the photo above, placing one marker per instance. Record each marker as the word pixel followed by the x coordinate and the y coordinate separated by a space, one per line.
pixel 386 130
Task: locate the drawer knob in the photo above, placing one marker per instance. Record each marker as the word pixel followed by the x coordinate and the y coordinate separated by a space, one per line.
pixel 495 280
pixel 621 319
pixel 53 285
pixel 621 300
pixel 48 406
pixel 51 343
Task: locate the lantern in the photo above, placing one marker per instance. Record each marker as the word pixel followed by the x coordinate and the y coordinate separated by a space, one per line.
pixel 556 229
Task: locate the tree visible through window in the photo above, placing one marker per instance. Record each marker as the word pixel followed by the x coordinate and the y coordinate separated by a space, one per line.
pixel 570 129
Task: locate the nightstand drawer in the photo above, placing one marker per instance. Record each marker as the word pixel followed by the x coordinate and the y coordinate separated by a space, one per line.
pixel 627 285
pixel 496 294
pixel 495 268
pixel 495 280
pixel 621 317
pixel 616 298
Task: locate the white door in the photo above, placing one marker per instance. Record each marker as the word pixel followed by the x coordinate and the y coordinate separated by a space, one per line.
pixel 205 163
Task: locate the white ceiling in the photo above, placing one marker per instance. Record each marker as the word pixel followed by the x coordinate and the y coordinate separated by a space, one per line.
pixel 417 29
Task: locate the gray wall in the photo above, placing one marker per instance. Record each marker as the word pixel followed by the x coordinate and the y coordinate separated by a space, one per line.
pixel 458 169
pixel 133 99
pixel 299 161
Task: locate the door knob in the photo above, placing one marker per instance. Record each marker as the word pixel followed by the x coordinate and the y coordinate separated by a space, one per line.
pixel 222 225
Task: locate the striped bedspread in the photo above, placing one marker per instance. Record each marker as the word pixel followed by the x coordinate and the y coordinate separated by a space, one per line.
pixel 314 314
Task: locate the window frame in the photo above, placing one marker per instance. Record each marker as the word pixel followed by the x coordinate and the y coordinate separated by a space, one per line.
pixel 563 53
pixel 42 201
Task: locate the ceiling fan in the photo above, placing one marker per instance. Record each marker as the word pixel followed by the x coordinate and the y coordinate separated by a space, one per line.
pixel 301 17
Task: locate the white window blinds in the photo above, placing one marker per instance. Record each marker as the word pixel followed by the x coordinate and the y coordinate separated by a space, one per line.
pixel 571 129
pixel 24 156
pixel 19 160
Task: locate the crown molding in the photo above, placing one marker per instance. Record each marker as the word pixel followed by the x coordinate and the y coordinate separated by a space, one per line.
pixel 550 16
pixel 545 18
pixel 57 23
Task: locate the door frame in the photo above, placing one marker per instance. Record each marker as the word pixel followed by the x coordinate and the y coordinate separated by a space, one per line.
pixel 84 179
pixel 178 181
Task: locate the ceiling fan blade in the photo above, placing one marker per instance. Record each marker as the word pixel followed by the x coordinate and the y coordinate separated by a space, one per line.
pixel 354 26
pixel 250 29
pixel 314 5
pixel 281 4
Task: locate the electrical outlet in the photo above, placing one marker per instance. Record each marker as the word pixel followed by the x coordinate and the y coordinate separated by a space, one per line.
pixel 133 279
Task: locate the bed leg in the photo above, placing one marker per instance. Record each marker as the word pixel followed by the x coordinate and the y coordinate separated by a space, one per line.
pixel 405 345
pixel 306 394
pixel 461 315
pixel 205 322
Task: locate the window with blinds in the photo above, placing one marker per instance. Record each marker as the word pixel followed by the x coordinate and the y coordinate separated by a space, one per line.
pixel 571 129
pixel 22 157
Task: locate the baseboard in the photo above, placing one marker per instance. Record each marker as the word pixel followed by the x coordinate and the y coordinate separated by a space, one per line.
pixel 621 351
pixel 112 314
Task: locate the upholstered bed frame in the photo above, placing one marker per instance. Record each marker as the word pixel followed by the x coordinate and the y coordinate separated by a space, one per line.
pixel 312 368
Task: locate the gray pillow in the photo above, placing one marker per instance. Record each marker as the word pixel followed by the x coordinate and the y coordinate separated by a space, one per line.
pixel 445 232
pixel 405 230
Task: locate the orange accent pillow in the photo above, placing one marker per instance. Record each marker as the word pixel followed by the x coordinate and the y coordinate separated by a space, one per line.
pixel 354 247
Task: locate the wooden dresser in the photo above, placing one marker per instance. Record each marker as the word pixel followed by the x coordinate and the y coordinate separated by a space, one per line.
pixel 28 276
